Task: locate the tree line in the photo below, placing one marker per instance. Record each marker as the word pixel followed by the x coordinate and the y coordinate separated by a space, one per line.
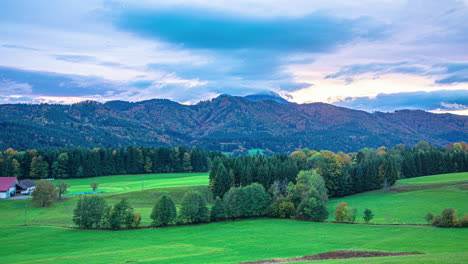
pixel 82 162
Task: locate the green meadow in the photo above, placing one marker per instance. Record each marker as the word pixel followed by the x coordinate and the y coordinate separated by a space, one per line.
pixel 226 242
pixel 236 241
pixel 129 183
pixel 409 200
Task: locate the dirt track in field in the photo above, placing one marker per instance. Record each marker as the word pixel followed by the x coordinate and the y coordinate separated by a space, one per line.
pixel 339 254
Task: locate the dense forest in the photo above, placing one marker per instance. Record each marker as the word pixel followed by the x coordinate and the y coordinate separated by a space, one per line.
pixel 82 163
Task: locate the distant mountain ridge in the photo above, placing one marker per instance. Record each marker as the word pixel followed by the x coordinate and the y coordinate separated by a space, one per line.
pixel 223 123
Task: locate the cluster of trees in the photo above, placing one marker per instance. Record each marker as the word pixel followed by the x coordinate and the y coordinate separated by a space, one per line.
pixel 82 162
pixel 46 192
pixel 348 214
pixel 449 218
pixel 344 174
pixel 239 202
pixel 92 212
pixel 305 200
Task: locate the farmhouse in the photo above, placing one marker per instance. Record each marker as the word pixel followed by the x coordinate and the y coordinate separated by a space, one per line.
pixel 7 186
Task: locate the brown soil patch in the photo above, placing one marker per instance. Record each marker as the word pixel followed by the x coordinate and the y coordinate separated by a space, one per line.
pixel 416 187
pixel 338 254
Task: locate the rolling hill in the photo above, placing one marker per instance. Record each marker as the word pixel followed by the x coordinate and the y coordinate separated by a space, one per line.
pixel 223 123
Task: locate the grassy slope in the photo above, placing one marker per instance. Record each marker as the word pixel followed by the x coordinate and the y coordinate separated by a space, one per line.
pixel 226 242
pixel 128 183
pixel 411 199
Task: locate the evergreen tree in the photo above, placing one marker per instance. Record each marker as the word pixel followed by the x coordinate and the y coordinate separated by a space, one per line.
pixel 164 211
pixel 368 215
pixel 217 211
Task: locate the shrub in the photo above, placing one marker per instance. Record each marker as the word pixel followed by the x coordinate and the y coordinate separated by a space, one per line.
pixel 164 211
pixel 368 215
pixel 436 220
pixel 352 214
pixel 429 217
pixel 341 212
pixel 136 221
pixel 464 221
pixel 44 194
pixel 282 208
pixel 449 218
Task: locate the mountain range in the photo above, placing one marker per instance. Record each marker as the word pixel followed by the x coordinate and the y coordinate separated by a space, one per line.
pixel 224 123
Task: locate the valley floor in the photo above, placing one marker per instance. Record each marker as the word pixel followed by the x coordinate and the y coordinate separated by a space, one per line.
pixel 47 237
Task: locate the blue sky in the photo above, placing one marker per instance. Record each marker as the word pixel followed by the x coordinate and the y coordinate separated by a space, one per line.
pixel 374 55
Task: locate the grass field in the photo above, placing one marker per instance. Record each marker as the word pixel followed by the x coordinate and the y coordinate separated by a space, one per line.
pixel 236 241
pixel 227 242
pixel 128 183
pixel 410 199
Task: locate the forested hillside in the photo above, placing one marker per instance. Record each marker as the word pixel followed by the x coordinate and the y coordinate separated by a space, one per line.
pixel 225 123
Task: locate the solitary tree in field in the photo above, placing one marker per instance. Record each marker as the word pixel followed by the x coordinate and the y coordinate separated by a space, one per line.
pixel 61 188
pixel 429 217
pixel 164 211
pixel 341 212
pixel 368 215
pixel 94 185
pixel 44 194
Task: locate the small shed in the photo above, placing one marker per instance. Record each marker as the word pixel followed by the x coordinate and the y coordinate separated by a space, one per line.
pixel 26 186
pixel 7 186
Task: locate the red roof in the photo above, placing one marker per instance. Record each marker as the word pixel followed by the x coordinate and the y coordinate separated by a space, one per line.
pixel 6 183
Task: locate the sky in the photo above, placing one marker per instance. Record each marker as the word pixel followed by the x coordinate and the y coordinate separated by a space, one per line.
pixel 373 55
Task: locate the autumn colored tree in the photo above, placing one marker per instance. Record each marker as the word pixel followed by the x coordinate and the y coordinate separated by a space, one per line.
pixel 341 212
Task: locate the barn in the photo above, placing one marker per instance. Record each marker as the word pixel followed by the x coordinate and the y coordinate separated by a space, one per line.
pixel 7 186
pixel 26 186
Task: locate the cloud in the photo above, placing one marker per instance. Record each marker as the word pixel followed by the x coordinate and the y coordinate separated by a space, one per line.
pixel 75 58
pixel 23 82
pixel 348 72
pixel 10 46
pixel 208 29
pixel 436 100
pixel 10 87
pixel 446 73
pixel 454 73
